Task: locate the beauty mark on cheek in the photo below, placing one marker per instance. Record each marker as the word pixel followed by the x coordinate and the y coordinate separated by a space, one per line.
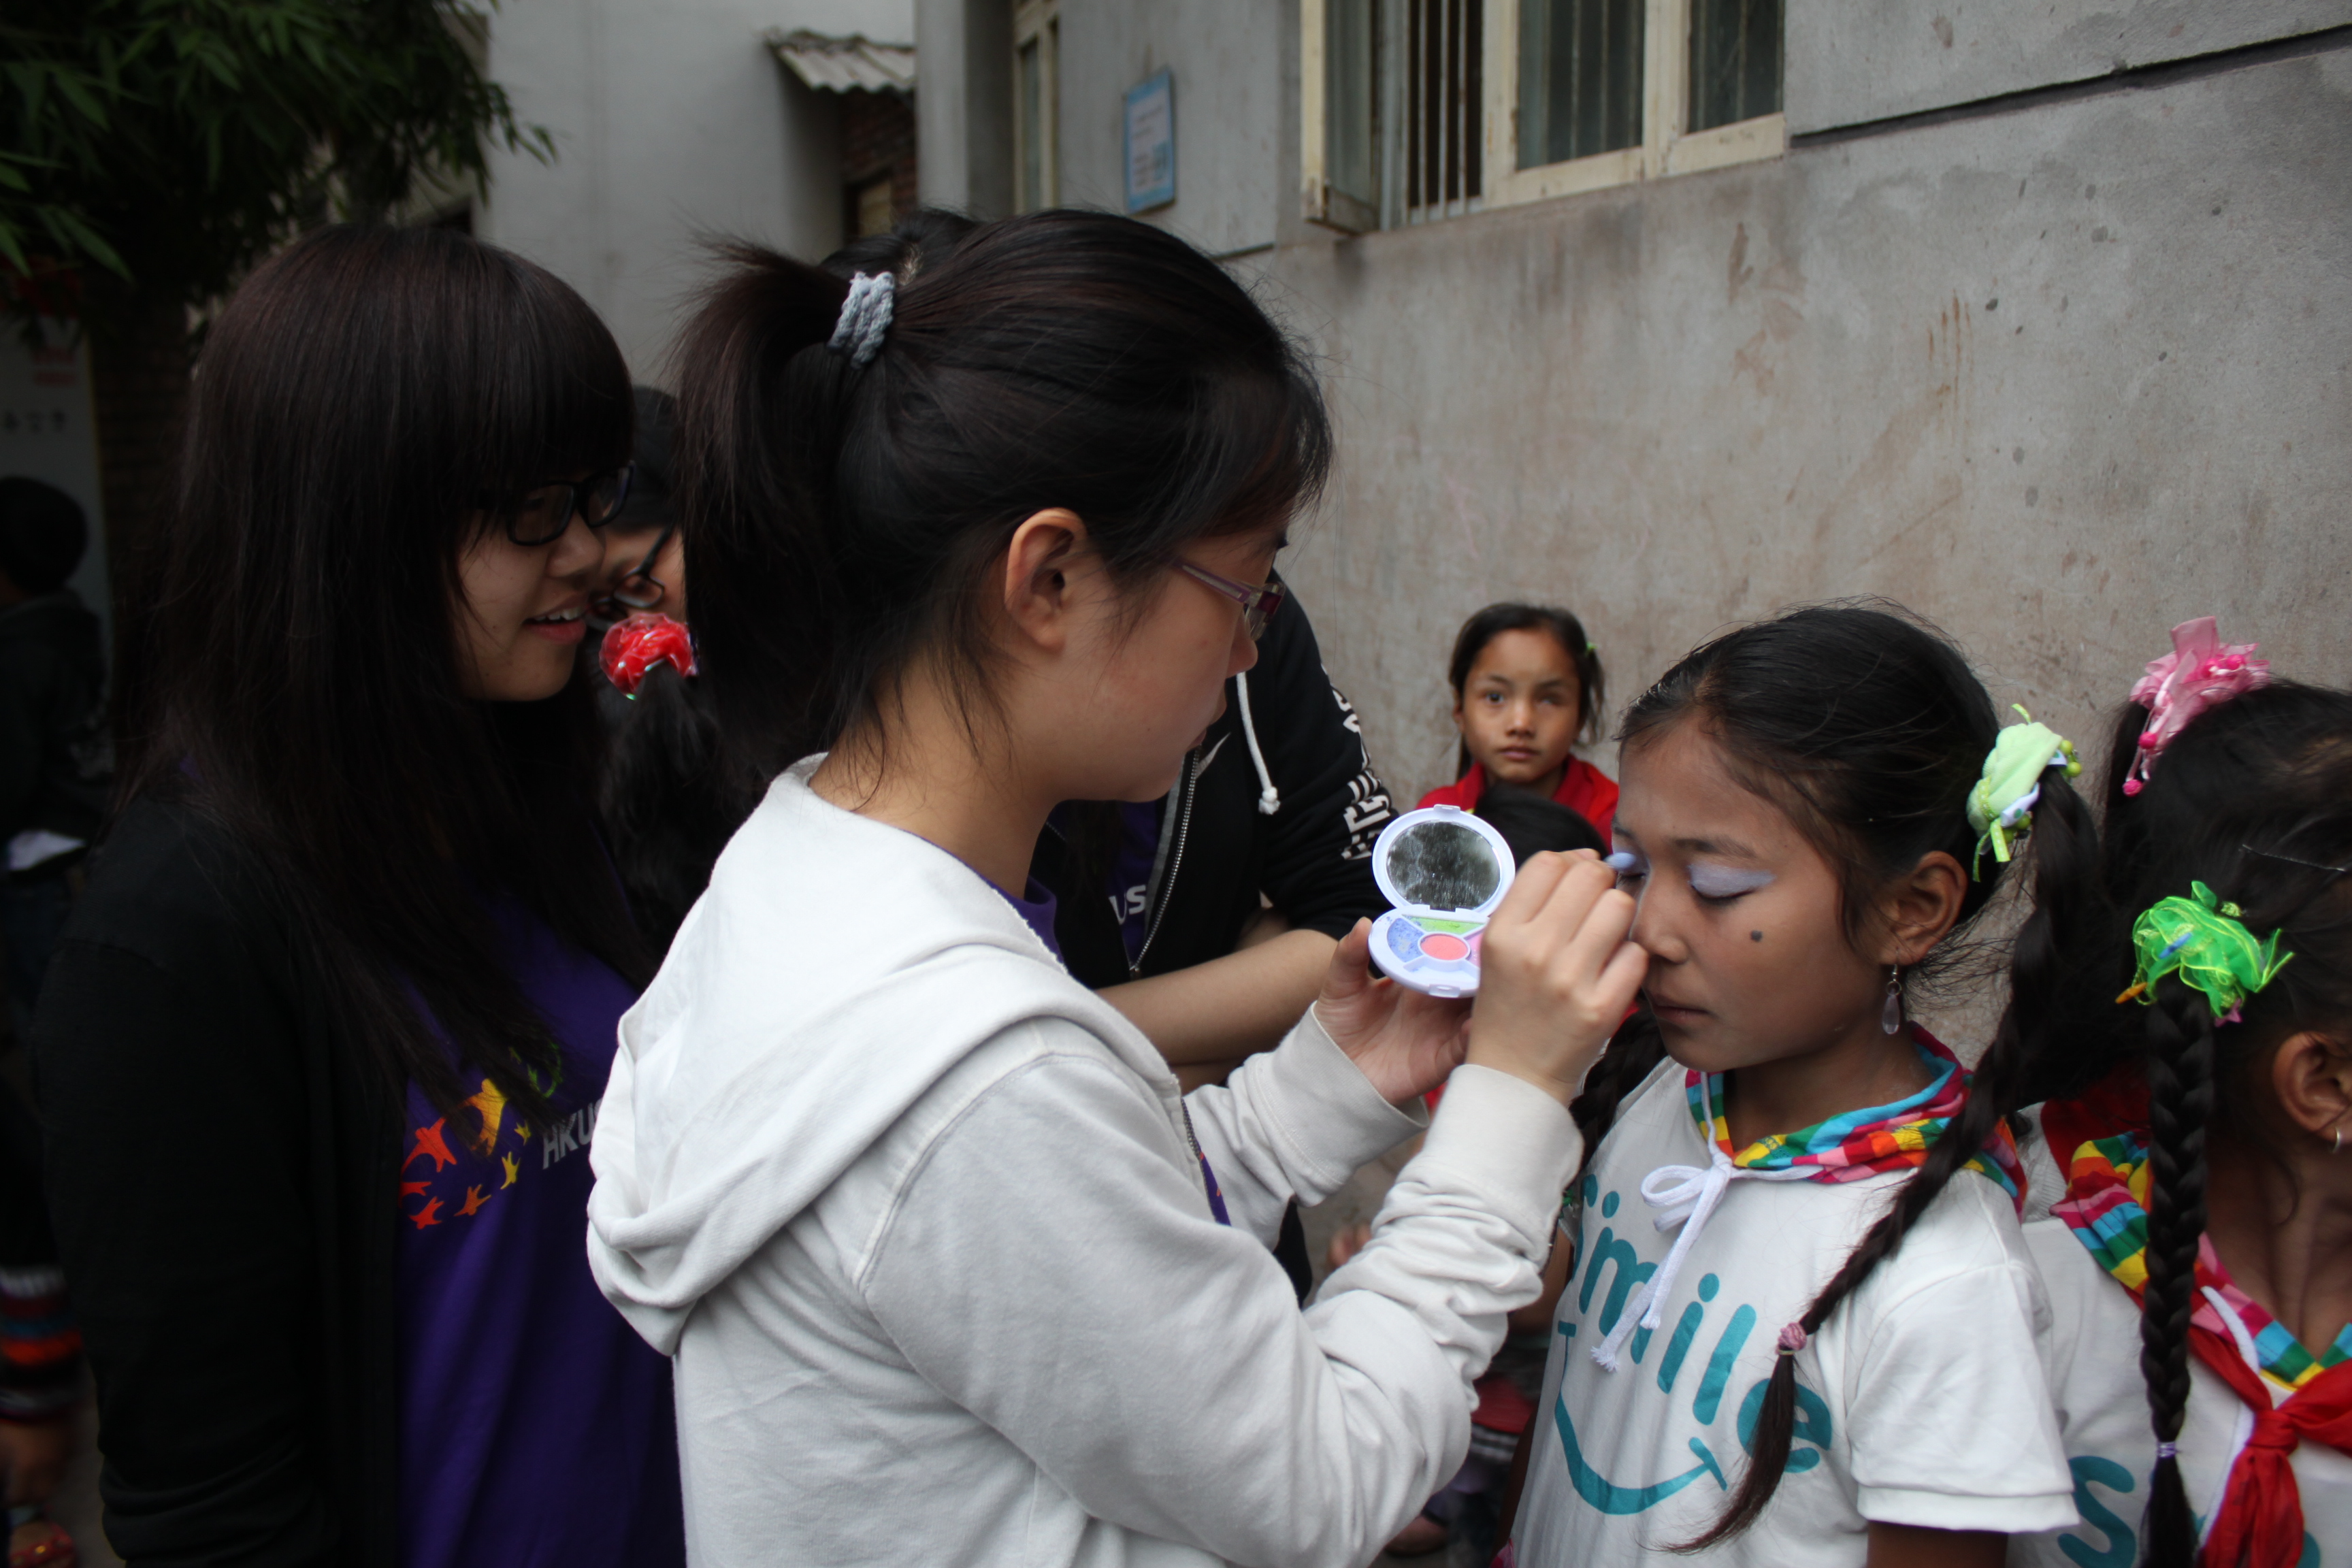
pixel 1727 881
pixel 1756 936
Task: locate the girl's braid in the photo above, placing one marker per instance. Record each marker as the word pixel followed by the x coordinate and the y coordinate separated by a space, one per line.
pixel 2179 1103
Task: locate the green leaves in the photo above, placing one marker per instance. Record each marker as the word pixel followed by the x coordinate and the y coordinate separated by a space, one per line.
pixel 172 143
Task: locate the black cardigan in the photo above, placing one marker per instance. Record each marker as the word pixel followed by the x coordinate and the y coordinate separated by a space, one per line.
pixel 223 1180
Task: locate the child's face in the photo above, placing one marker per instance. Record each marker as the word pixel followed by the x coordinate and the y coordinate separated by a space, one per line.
pixel 1518 707
pixel 1749 961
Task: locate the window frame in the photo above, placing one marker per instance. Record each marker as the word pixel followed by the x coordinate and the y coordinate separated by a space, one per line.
pixel 1038 22
pixel 1665 77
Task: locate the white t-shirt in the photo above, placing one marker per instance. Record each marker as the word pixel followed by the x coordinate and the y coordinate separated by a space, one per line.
pixel 2093 1349
pixel 1922 1401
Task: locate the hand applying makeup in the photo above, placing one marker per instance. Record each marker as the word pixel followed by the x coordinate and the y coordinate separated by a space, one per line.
pixel 1558 973
pixel 1554 990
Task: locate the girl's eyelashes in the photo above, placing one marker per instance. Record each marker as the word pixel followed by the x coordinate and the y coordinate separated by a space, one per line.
pixel 1720 884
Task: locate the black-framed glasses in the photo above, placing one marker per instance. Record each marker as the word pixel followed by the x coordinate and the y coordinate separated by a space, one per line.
pixel 638 588
pixel 1258 604
pixel 539 515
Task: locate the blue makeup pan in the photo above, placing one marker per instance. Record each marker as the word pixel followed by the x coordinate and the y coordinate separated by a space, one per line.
pixel 1445 871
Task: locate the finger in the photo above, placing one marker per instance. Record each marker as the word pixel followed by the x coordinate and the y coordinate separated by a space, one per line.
pixel 1622 977
pixel 1581 884
pixel 1351 963
pixel 1538 875
pixel 1603 930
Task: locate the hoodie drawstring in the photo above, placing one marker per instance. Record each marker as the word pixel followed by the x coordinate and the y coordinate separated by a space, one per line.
pixel 1269 799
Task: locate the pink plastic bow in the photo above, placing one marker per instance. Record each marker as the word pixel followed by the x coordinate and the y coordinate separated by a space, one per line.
pixel 2201 672
pixel 635 645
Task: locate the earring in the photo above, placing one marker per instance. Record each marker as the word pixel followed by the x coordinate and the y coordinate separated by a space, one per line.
pixel 1890 1017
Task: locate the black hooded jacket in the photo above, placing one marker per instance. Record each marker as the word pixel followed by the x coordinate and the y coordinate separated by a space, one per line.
pixel 1287 740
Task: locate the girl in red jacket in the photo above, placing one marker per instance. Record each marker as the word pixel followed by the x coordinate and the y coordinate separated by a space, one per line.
pixel 1527 685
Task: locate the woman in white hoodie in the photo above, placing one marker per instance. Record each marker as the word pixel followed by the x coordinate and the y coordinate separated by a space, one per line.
pixel 950 1270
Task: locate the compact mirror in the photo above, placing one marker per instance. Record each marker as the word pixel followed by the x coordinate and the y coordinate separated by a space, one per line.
pixel 1444 870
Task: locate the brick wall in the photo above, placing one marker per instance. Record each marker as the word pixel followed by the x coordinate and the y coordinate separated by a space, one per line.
pixel 877 137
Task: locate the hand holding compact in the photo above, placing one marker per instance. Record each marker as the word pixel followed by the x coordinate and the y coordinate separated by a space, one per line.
pixel 1558 973
pixel 1403 1040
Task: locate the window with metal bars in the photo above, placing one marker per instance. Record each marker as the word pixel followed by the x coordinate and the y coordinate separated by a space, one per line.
pixel 1734 61
pixel 1405 110
pixel 1580 78
pixel 1402 120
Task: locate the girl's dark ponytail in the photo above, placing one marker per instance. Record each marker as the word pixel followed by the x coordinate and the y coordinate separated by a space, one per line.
pixel 2180 1051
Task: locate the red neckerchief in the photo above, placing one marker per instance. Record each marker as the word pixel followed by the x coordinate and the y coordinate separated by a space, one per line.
pixel 2261 1521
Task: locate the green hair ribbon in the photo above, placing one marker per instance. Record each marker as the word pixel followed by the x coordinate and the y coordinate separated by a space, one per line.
pixel 2001 807
pixel 2203 940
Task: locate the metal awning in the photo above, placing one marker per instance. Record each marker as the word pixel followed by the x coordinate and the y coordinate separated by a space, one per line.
pixel 838 65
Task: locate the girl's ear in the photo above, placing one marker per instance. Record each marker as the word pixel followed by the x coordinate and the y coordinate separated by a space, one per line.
pixel 1038 562
pixel 1919 907
pixel 2312 1076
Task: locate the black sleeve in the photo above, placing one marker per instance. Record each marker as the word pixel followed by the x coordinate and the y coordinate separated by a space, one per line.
pixel 174 1103
pixel 23 742
pixel 1316 865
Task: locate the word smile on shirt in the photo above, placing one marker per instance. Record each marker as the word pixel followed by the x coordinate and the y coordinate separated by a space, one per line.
pixel 1615 1257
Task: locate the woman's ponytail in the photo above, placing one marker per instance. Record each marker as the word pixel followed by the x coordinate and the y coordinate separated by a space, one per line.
pixel 757 416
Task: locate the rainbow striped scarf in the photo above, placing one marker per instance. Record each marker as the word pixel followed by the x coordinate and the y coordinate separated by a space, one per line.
pixel 2105 1207
pixel 1874 1139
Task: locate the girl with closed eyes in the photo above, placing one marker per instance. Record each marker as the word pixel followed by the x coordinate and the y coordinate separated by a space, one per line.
pixel 1800 1322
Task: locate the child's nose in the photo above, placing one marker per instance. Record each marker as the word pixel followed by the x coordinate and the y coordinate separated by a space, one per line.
pixel 1653 931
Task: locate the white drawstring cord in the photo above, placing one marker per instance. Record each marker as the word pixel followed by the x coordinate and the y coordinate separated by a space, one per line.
pixel 2244 1432
pixel 1687 1195
pixel 1269 799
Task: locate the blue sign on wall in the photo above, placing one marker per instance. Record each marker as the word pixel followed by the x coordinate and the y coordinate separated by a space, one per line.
pixel 1151 143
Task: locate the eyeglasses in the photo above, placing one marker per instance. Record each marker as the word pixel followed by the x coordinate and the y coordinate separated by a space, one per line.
pixel 539 515
pixel 639 589
pixel 1258 604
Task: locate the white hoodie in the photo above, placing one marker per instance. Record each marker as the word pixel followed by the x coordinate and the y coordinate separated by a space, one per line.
pixel 916 1214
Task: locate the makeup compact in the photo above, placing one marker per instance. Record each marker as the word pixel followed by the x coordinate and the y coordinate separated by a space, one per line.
pixel 1444 870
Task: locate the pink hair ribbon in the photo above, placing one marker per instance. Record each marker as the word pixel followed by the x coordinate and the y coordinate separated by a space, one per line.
pixel 2201 672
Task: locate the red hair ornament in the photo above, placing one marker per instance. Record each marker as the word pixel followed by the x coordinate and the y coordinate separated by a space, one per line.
pixel 636 645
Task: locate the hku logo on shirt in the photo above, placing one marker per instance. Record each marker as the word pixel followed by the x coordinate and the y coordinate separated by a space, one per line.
pixel 456 1172
pixel 1694 1368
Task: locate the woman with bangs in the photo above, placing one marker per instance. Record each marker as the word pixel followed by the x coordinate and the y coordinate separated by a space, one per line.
pixel 324 1045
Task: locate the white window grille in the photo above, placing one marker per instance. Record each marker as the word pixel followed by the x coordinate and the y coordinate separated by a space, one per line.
pixel 1417 110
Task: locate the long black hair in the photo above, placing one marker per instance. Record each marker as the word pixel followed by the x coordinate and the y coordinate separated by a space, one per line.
pixel 295 673
pixel 2252 798
pixel 837 519
pixel 1592 680
pixel 1867 727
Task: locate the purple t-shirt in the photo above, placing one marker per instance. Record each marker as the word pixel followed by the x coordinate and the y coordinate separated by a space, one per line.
pixel 1131 872
pixel 535 1426
pixel 1036 906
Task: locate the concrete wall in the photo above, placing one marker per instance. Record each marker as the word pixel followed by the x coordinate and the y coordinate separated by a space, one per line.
pixel 2057 378
pixel 1233 61
pixel 964 104
pixel 1851 61
pixel 671 121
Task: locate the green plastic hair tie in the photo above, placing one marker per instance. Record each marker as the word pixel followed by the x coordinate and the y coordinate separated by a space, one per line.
pixel 2001 807
pixel 2204 941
